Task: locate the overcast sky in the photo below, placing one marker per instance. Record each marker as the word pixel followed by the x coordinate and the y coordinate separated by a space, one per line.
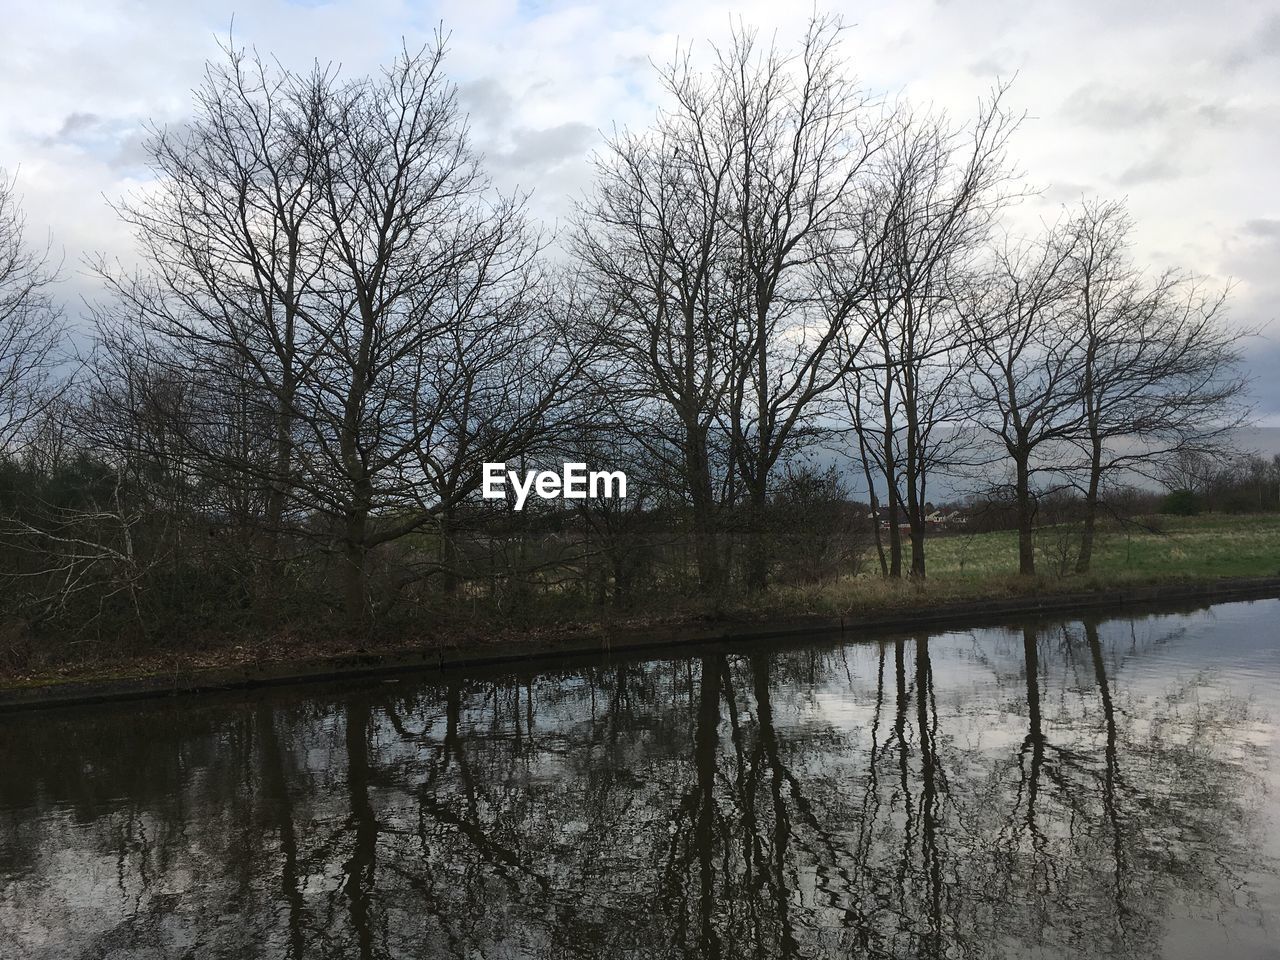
pixel 1174 106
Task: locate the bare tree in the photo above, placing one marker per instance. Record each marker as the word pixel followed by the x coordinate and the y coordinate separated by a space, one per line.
pixel 233 239
pixel 652 242
pixel 709 238
pixel 1159 372
pixel 359 318
pixel 426 277
pixel 1025 372
pixel 939 189
pixel 1195 472
pixel 31 328
pixel 803 135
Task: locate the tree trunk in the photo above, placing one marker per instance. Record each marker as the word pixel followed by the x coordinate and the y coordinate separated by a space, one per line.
pixel 448 554
pixel 757 544
pixel 706 550
pixel 1034 742
pixel 914 469
pixel 930 775
pixel 355 542
pixel 358 871
pixel 276 787
pixel 705 547
pixel 1026 516
pixel 778 780
pixel 891 495
pixel 874 503
pixel 355 552
pixel 706 740
pixel 283 463
pixel 895 539
pixel 917 547
pixel 915 511
pixel 1112 766
pixel 1090 508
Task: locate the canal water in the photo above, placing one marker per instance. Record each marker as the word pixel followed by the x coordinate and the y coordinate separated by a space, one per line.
pixel 1095 788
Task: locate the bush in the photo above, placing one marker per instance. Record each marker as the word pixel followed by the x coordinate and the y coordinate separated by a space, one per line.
pixel 1181 503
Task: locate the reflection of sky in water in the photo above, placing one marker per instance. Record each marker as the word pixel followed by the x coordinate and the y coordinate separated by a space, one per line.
pixel 802 800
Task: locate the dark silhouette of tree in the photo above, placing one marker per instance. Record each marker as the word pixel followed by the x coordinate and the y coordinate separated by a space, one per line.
pixel 31 325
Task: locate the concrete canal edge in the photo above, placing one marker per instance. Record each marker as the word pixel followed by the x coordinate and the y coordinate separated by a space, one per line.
pixel 437 659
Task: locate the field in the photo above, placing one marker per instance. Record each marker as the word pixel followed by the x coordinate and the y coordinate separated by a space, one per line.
pixel 1217 545
pixel 984 566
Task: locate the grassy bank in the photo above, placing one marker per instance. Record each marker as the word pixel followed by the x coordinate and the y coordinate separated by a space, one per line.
pixel 1218 545
pixel 963 569
pixel 983 566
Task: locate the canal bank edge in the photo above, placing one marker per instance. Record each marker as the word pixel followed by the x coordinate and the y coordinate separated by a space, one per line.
pixel 969 613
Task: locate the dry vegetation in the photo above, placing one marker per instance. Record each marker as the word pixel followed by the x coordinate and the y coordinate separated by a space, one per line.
pixel 967 569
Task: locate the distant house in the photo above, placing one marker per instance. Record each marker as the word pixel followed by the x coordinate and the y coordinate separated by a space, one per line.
pixel 936 519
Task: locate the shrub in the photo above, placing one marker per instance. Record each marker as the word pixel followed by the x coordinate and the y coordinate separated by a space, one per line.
pixel 1181 503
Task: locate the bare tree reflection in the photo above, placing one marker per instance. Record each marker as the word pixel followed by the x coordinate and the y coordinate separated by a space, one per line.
pixel 909 798
pixel 276 792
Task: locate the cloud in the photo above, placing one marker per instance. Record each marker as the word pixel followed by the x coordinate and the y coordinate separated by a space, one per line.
pixel 1264 385
pixel 131 156
pixel 541 149
pixel 1152 170
pixel 76 123
pixel 486 100
pixel 1113 109
pixel 1128 110
pixel 1171 107
pixel 78 129
pixel 1262 44
pixel 1217 114
pixel 119 141
pixel 993 65
pixel 1067 192
pixel 1263 228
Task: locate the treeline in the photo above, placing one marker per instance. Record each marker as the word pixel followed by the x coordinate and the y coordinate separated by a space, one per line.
pixel 1188 485
pixel 337 318
pixel 1247 483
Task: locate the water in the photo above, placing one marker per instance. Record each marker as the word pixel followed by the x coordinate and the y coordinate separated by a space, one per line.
pixel 1066 789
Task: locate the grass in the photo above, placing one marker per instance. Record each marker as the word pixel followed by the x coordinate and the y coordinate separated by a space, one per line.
pixel 1215 545
pixel 984 566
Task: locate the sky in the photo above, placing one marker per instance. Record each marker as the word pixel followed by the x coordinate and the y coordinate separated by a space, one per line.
pixel 1173 106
